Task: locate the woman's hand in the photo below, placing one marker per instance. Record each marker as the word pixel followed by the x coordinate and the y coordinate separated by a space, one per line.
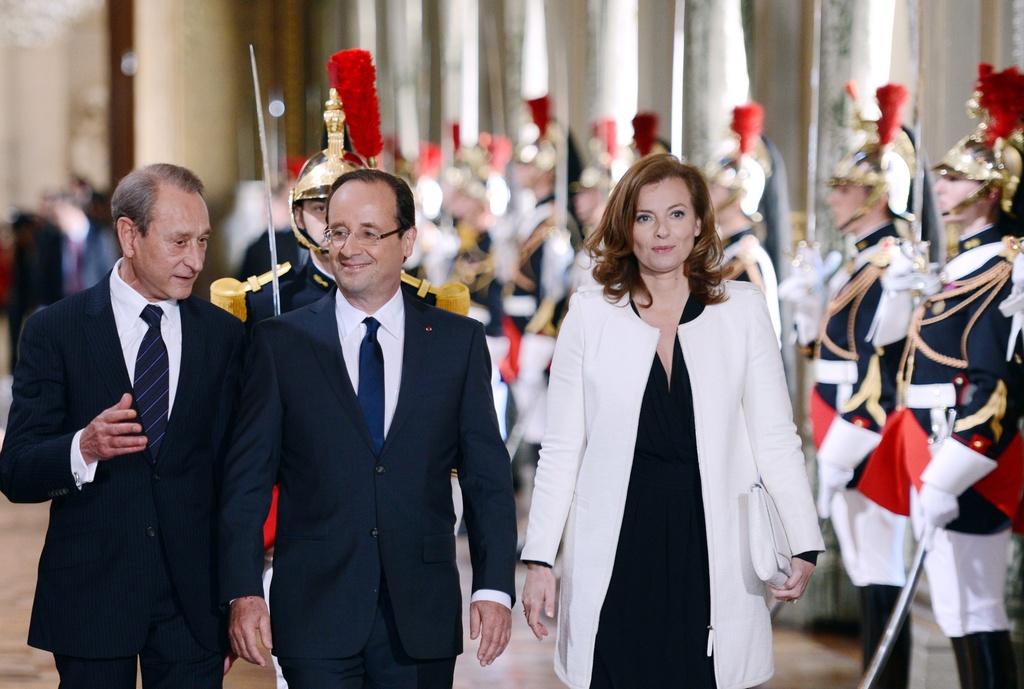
pixel 538 596
pixel 795 586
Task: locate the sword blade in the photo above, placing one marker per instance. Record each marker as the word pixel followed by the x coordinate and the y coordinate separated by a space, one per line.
pixel 276 285
pixel 896 619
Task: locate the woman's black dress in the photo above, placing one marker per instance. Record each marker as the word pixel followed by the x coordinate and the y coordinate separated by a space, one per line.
pixel 653 630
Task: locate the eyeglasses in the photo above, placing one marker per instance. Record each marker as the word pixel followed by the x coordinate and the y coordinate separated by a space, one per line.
pixel 338 238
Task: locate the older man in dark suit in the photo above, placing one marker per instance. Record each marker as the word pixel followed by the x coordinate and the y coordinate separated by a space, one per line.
pixel 121 400
pixel 359 406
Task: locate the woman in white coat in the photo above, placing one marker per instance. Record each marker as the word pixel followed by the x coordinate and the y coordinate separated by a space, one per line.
pixel 667 402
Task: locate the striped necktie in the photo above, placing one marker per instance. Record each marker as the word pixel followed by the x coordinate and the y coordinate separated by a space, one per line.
pixel 152 381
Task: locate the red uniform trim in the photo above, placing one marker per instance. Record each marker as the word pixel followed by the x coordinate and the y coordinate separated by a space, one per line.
pixel 888 475
pixel 270 524
pixel 509 366
pixel 1002 486
pixel 822 416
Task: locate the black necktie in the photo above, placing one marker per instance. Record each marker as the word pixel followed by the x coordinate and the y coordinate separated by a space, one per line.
pixel 371 382
pixel 152 381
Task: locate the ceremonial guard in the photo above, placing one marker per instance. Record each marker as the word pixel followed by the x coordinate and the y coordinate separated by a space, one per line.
pixel 537 289
pixel 739 177
pixel 467 199
pixel 591 194
pixel 951 456
pixel 855 364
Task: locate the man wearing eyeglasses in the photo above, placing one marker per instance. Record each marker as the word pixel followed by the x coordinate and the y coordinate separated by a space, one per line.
pixel 360 405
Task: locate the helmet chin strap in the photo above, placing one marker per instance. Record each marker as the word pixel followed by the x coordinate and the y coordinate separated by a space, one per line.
pixel 865 208
pixel 969 200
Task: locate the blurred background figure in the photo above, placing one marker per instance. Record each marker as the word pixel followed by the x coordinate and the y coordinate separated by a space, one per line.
pixel 743 179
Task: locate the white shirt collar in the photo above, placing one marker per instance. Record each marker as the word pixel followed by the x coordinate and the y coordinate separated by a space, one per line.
pixel 128 303
pixel 391 316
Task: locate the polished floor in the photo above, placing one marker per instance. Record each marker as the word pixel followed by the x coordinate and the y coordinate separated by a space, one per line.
pixel 802 661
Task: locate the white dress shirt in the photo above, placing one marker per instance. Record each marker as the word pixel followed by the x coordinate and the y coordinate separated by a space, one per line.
pixel 391 336
pixel 128 305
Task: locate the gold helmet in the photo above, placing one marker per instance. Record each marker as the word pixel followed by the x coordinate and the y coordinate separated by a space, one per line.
pixel 539 139
pixel 884 159
pixel 320 171
pixel 477 171
pixel 991 154
pixel 742 163
pixel 352 106
pixel 599 172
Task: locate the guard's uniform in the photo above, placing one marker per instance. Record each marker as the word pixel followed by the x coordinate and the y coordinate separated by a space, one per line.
pixel 854 391
pixel 534 300
pixel 855 365
pixel 744 168
pixel 298 288
pixel 951 456
pixel 744 259
pixel 956 360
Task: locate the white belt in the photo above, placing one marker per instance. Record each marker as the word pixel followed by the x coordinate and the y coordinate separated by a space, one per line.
pixel 520 305
pixel 835 372
pixel 934 396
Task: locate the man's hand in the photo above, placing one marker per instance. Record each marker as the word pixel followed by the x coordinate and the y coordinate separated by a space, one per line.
pixel 492 623
pixel 114 432
pixel 797 582
pixel 248 624
pixel 538 597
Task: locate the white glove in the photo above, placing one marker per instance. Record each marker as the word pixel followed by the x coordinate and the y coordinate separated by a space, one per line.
pixel 1013 306
pixel 805 289
pixel 831 480
pixel 939 507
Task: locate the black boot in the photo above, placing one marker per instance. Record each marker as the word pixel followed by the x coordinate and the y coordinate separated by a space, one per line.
pixel 877 603
pixel 962 651
pixel 992 664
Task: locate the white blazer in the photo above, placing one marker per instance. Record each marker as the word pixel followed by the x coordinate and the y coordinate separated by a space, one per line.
pixel 744 429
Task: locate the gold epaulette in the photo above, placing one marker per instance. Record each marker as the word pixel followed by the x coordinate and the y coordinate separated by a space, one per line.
pixel 1012 247
pixel 451 296
pixel 229 293
pixel 882 258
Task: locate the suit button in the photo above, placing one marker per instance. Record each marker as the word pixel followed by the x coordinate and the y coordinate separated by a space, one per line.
pixel 379 468
pixel 373 532
pixel 156 476
pixel 150 531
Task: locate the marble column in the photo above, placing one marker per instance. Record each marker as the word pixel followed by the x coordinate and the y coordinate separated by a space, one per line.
pixel 192 85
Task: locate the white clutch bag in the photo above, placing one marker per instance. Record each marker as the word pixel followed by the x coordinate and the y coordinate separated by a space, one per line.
pixel 770 552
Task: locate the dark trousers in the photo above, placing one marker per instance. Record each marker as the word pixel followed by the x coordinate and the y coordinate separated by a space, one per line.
pixel 382 664
pixel 170 659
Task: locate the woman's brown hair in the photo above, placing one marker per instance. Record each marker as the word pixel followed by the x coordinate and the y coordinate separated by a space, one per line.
pixel 611 244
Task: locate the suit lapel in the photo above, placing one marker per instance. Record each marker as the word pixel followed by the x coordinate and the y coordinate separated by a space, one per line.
pixel 190 373
pixel 418 330
pixel 323 331
pixel 103 342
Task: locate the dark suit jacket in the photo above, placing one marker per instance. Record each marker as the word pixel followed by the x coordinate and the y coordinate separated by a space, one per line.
pixel 347 518
pixel 94 591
